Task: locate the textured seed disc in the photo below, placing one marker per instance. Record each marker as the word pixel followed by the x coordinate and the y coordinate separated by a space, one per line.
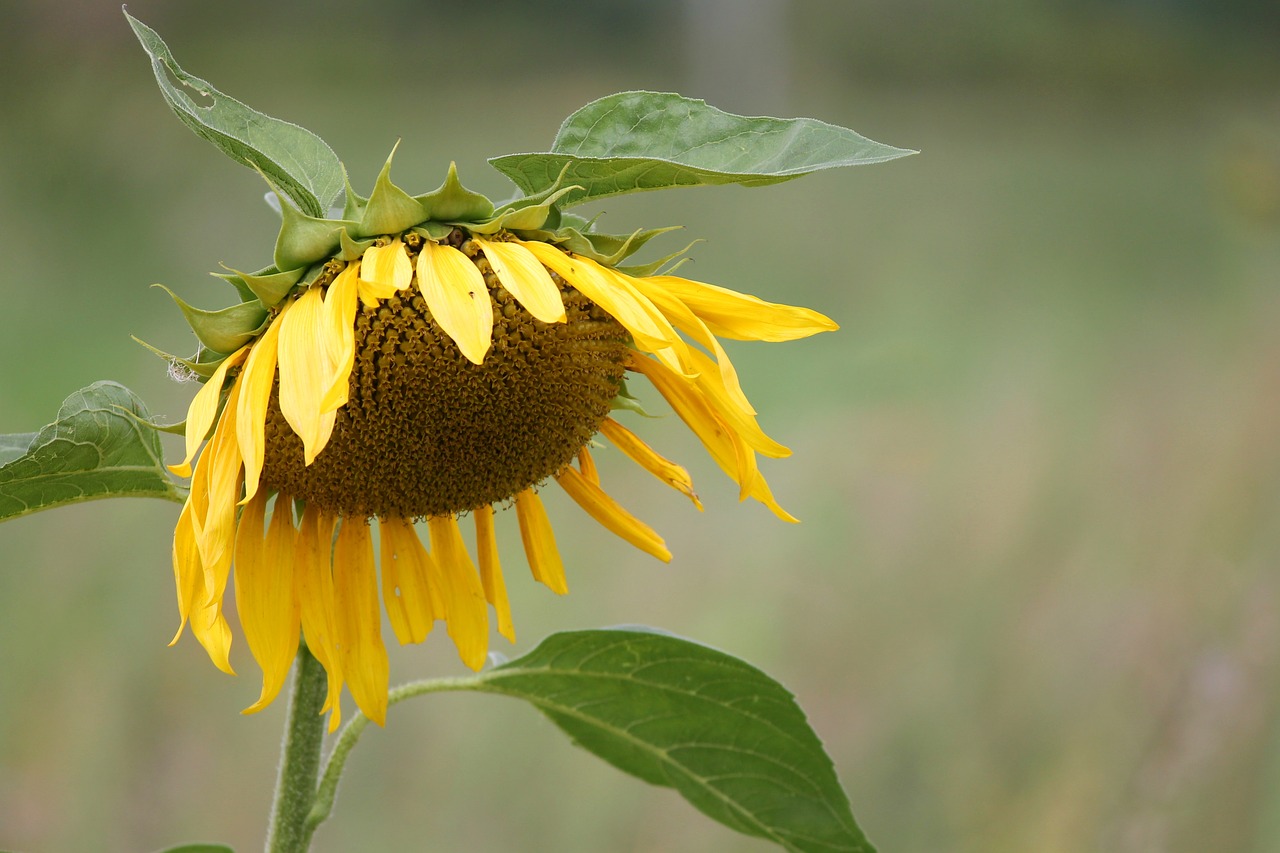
pixel 427 433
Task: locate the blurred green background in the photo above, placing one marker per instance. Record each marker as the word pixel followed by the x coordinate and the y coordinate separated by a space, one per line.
pixel 1034 603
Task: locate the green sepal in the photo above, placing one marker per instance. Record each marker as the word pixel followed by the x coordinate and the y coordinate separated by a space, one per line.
pixel 452 202
pixel 269 286
pixel 642 270
pixel 304 240
pixel 607 249
pixel 204 364
pixel 353 203
pixel 225 330
pixel 532 217
pixel 623 401
pixel 179 428
pixel 389 209
pixel 294 157
pixel 242 288
pixel 436 231
pixel 349 249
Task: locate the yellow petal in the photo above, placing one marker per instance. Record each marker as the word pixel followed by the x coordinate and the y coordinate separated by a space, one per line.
pixel 540 542
pixel 217 478
pixel 203 408
pixel 314 579
pixel 726 447
pixel 462 594
pixel 455 292
pixel 613 293
pixel 606 510
pixel 525 279
pixel 340 317
pixel 305 372
pixel 359 620
pixel 742 420
pixel 188 571
pixel 251 414
pixel 740 316
pixel 405 581
pixel 384 271
pixel 495 588
pixel 266 596
pixel 647 458
pixel 587 466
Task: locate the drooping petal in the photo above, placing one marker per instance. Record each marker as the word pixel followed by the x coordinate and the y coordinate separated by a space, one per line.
pixel 726 447
pixel 613 517
pixel 188 571
pixel 305 371
pixel 385 270
pixel 495 587
pixel 266 595
pixel 314 578
pixel 647 458
pixel 461 591
pixel 339 316
pixel 454 290
pixel 742 420
pixel 359 620
pixel 540 542
pixel 525 278
pixel 740 316
pixel 219 472
pixel 251 414
pixel 406 569
pixel 203 409
pixel 587 466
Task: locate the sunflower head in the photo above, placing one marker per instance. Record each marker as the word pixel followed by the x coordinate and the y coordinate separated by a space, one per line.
pixel 410 361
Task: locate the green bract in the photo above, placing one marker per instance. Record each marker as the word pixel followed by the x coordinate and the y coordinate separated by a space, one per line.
pixel 624 143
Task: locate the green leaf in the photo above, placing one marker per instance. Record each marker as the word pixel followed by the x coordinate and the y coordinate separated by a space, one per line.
pixel 97 448
pixel 730 739
pixel 636 141
pixel 294 158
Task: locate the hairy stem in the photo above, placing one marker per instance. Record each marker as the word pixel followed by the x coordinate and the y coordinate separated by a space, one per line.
pixel 289 831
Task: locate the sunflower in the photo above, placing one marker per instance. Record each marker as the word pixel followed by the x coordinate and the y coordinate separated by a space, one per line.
pixel 432 367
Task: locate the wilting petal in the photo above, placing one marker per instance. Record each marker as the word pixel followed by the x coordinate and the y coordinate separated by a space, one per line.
pixel 203 409
pixel 314 578
pixel 525 278
pixel 726 447
pixel 742 317
pixel 218 475
pixel 495 588
pixel 251 414
pixel 266 596
pixel 340 317
pixel 385 270
pixel 359 620
pixel 461 591
pixel 647 458
pixel 540 542
pixel 742 421
pixel 406 569
pixel 606 510
pixel 305 371
pixel 455 292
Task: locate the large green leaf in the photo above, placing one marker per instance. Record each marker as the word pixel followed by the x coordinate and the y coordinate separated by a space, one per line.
pixel 636 141
pixel 730 739
pixel 97 448
pixel 295 159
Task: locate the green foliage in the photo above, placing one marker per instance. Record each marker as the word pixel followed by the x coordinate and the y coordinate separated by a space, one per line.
pixel 730 739
pixel 98 447
pixel 295 159
pixel 636 141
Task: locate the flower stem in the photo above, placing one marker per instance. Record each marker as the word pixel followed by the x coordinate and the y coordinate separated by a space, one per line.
pixel 328 788
pixel 300 761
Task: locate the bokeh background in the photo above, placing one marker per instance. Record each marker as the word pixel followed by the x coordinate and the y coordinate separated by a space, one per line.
pixel 1035 600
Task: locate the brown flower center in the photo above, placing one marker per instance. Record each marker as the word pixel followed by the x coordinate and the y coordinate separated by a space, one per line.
pixel 428 433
